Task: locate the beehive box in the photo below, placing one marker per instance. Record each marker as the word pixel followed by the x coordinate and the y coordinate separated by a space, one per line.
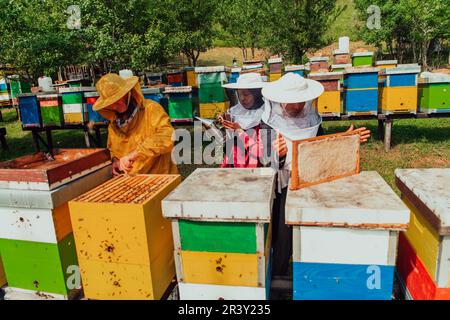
pixel 36 239
pixel 154 78
pixel 329 103
pixel 275 65
pixel 399 94
pixel 4 93
pixel 298 69
pixel 50 106
pixel 424 249
pixel 191 77
pixel 435 93
pixel 318 63
pixel 362 59
pixel 345 235
pixel 152 94
pixel 30 115
pixel 93 116
pixel 74 108
pixel 175 78
pixel 341 57
pixel 210 80
pixel 386 64
pixel 274 77
pixel 222 236
pixel 233 74
pixel 124 245
pixel 36 172
pixel 180 103
pixel 361 91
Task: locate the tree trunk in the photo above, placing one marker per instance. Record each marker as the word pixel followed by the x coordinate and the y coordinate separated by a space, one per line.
pixel 425 45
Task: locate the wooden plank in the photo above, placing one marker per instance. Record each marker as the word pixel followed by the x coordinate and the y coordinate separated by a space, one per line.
pixel 393 247
pixel 344 246
pixel 335 156
pixel 218 236
pixel 424 240
pixel 26 295
pixel 317 281
pixel 361 201
pixel 443 264
pixel 234 269
pixel 387 134
pixel 191 291
pixel 223 195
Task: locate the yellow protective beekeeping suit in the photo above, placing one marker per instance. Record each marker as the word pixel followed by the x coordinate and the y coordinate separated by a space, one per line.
pixel 149 133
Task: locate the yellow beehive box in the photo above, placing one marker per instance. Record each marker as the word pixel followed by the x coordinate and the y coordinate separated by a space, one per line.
pixel 212 110
pixel 399 99
pixel 124 245
pixel 329 104
pixel 274 76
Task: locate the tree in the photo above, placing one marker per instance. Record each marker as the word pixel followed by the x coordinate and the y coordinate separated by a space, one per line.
pixel 408 28
pixel 243 22
pixel 297 26
pixel 189 24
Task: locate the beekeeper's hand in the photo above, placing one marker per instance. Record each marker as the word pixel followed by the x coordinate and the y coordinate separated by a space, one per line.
pixel 279 146
pixel 115 166
pixel 231 125
pixel 363 132
pixel 126 162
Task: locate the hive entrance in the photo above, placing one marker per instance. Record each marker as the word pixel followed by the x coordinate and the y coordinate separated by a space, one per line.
pixel 127 189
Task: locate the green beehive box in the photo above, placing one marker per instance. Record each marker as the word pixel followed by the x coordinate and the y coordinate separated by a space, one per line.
pixel 434 93
pixel 51 110
pixel 362 59
pixel 39 266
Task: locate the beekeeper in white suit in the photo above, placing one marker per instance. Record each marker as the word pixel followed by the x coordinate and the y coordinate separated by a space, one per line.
pixel 289 111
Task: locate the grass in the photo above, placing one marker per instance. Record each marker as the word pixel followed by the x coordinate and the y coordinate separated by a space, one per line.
pixel 416 143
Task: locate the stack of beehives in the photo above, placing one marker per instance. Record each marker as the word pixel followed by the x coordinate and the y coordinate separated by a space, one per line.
pixel 212 97
pixel 275 68
pixel 36 240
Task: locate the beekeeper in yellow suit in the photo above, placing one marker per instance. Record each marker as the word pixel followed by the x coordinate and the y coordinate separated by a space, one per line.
pixel 140 132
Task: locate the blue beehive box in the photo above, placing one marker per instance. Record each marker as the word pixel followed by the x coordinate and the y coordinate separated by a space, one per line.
pixel 152 94
pixel 93 116
pixel 29 111
pixel 361 91
pixel 234 72
pixel 297 69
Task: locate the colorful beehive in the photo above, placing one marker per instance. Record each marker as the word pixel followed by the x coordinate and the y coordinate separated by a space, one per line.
pixel 275 65
pixel 152 94
pixel 191 77
pixel 361 91
pixel 74 108
pixel 362 59
pixel 434 93
pixel 93 116
pixel 399 91
pixel 424 249
pixel 124 245
pixel 36 240
pixel 233 74
pixel 345 235
pixel 317 64
pixel 50 106
pixel 222 236
pixel 18 86
pixel 4 94
pixel 154 78
pixel 297 69
pixel 386 64
pixel 212 96
pixel 339 67
pixel 329 103
pixel 341 57
pixel 30 115
pixel 175 78
pixel 180 103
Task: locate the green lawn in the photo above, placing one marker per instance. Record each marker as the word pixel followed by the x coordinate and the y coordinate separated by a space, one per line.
pixel 423 143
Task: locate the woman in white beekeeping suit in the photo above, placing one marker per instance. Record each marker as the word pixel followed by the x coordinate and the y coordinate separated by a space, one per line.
pixel 289 115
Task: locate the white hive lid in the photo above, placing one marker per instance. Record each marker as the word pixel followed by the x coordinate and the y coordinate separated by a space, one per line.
pixel 431 187
pixel 364 200
pixel 223 195
pixel 209 69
